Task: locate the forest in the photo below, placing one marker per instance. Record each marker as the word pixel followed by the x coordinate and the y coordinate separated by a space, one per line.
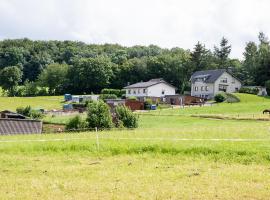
pixel 31 68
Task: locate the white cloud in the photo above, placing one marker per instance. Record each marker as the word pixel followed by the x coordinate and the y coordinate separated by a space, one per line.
pixel 167 23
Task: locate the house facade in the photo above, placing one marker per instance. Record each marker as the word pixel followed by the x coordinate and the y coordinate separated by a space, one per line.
pixel 152 88
pixel 207 84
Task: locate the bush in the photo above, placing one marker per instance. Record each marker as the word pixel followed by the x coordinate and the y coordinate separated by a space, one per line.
pixel 76 123
pixel 147 103
pixel 132 98
pixel 126 117
pixel 219 98
pixel 231 98
pixel 29 112
pixel 117 92
pixel 249 90
pixel 107 96
pixel 24 111
pixel 98 115
pixel 267 85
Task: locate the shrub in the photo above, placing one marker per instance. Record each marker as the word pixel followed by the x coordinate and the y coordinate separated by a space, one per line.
pixel 117 92
pixel 267 85
pixel 126 117
pixel 249 90
pixel 219 98
pixel 147 103
pixel 132 98
pixel 76 123
pixel 98 115
pixel 24 111
pixel 29 112
pixel 107 96
pixel 231 98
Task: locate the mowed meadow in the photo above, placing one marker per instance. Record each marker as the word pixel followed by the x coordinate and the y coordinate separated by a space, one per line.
pixel 174 154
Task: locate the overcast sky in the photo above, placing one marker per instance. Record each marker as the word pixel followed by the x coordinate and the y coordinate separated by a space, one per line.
pixel 167 23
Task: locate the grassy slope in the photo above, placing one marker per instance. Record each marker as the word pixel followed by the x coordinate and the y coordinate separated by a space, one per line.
pixel 249 105
pixel 140 165
pixel 47 102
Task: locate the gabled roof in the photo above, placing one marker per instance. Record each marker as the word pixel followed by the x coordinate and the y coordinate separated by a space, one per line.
pixel 10 114
pixel 148 84
pixel 210 76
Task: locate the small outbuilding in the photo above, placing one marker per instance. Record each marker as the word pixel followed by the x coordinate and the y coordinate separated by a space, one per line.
pixel 14 123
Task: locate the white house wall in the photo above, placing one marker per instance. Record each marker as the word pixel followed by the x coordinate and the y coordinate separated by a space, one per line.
pixel 152 91
pixel 136 92
pixel 156 90
pixel 233 84
pixel 199 84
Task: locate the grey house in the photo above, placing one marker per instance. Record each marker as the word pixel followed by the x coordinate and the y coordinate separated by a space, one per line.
pixel 207 84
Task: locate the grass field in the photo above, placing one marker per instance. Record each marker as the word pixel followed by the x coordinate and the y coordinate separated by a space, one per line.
pixel 46 102
pixel 167 157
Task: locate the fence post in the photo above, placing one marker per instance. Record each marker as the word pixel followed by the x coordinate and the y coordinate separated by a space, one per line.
pixel 97 138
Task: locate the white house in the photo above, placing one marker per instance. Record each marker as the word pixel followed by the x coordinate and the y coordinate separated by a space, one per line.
pixel 207 84
pixel 152 88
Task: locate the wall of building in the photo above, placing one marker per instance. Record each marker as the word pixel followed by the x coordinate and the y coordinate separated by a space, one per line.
pixel 136 92
pixel 20 126
pixel 233 84
pixel 152 91
pixel 209 93
pixel 156 90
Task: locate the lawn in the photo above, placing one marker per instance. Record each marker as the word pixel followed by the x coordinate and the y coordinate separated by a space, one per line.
pixel 46 102
pixel 167 157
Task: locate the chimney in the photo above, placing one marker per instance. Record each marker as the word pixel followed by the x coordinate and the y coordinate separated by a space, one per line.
pixel 128 83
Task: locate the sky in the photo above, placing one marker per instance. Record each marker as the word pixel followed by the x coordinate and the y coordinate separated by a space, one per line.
pixel 166 23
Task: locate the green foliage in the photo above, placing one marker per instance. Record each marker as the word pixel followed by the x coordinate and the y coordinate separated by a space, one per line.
pixel 54 77
pixel 126 117
pixel 24 111
pixel 267 85
pixel 231 98
pixel 90 74
pixel 220 98
pixel 10 77
pixel 98 115
pixel 147 103
pixel 76 123
pixel 29 112
pixel 117 92
pixel 132 98
pixel 249 90
pixel 222 53
pixel 107 96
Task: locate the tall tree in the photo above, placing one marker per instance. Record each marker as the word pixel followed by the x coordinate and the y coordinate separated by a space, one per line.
pixel 250 64
pixel 90 74
pixel 222 53
pixel 54 77
pixel 10 77
pixel 202 58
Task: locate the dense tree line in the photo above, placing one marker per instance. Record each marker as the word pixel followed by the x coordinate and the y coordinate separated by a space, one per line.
pixel 76 67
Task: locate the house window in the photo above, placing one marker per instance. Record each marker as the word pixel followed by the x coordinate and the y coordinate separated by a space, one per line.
pixel 202 88
pixel 222 88
pixel 144 91
pixel 129 91
pixel 134 91
pixel 206 88
pixel 224 80
pixel 139 91
pixel 196 88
